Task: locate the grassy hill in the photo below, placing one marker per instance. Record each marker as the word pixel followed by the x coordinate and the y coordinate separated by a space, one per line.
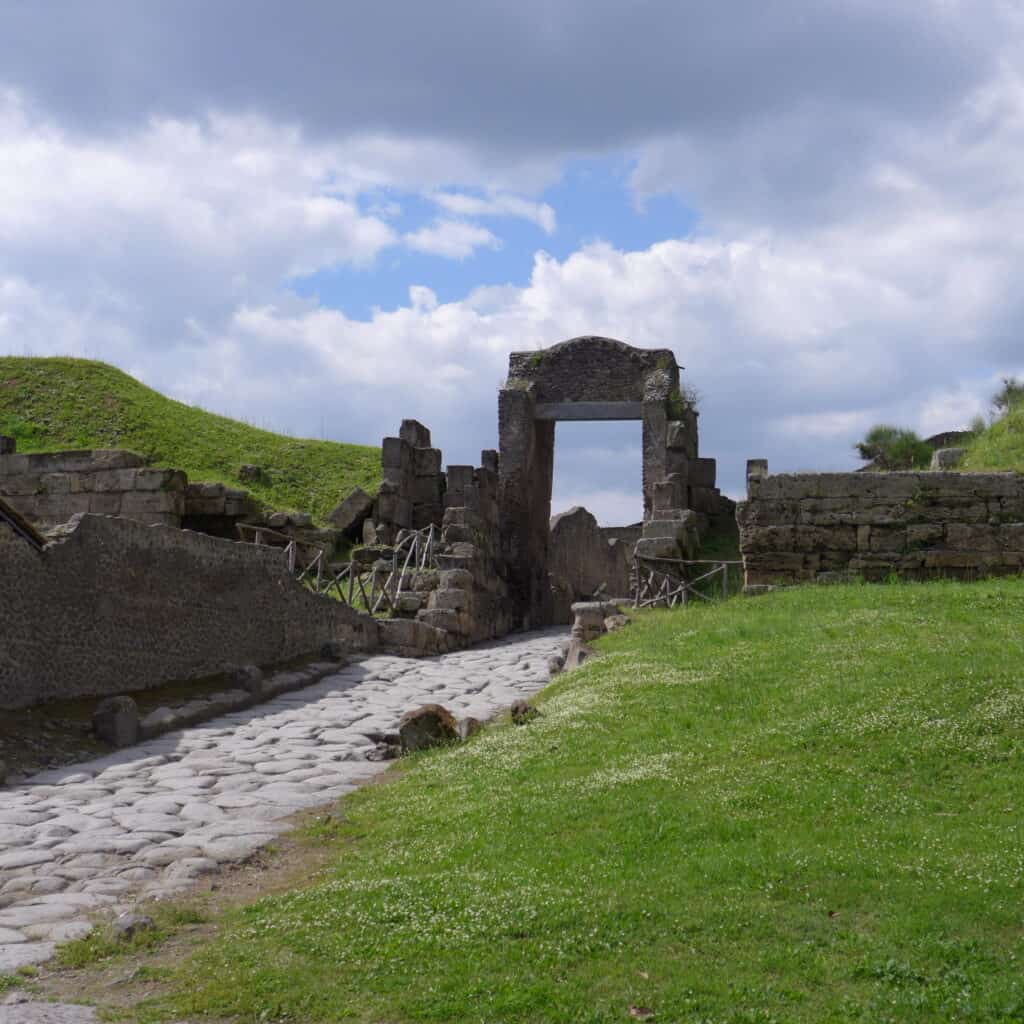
pixel 805 807
pixel 999 446
pixel 53 404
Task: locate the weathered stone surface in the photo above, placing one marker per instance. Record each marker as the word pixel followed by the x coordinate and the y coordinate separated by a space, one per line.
pixel 414 433
pixel 249 678
pixel 350 515
pixel 522 712
pixel 802 527
pixel 116 721
pixel 947 458
pixel 428 726
pixel 199 601
pixel 586 557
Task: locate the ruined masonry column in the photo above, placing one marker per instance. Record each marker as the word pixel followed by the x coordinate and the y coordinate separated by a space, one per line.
pixel 526 466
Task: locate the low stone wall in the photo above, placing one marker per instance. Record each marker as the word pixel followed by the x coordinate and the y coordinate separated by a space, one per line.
pixel 49 488
pixel 114 606
pixel 819 526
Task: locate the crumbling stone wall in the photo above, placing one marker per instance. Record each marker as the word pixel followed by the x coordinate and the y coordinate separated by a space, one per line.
pixel 412 492
pixel 49 488
pixel 586 557
pixel 803 527
pixel 113 605
pixel 463 598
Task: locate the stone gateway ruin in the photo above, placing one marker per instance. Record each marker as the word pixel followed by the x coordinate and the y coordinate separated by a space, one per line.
pixel 593 378
pixel 495 519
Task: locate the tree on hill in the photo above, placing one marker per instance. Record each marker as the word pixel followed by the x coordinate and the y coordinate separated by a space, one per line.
pixel 1008 397
pixel 890 447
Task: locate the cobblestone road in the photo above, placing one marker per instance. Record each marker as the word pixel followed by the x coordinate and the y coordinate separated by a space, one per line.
pixel 152 819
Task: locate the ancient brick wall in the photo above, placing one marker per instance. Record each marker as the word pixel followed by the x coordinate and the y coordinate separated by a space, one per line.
pixel 115 605
pixel 803 527
pixel 49 488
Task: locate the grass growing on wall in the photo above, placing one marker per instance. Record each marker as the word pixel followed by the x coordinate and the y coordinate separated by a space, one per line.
pixel 999 446
pixel 805 807
pixel 57 403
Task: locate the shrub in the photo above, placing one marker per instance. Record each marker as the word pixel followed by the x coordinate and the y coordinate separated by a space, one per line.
pixel 892 447
pixel 1008 397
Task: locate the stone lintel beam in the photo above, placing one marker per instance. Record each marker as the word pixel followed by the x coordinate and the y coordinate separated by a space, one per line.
pixel 589 411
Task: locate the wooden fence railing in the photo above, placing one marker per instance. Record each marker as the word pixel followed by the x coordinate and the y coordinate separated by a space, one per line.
pixel 668 582
pixel 356 583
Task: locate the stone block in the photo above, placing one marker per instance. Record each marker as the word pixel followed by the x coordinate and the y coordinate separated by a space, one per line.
pixel 136 503
pixel 409 603
pixel 238 504
pixel 8 445
pixel 440 618
pixel 13 465
pixel 923 535
pixel 670 493
pixel 428 490
pixel 425 580
pixel 489 460
pixel 462 516
pixel 427 461
pixel 704 499
pixel 454 579
pixel 394 508
pixel 396 454
pixel 114 480
pixel 1011 536
pixel 453 599
pixel 116 721
pixel 888 539
pixel 947 458
pixel 414 434
pixel 767 538
pixel 968 537
pixel 58 508
pixel 456 534
pixel 426 513
pixel 160 480
pixel 702 472
pixel 673 528
pixel 57 483
pixel 460 477
pixel 20 485
pixel 105 504
pixel 658 547
pixel 427 726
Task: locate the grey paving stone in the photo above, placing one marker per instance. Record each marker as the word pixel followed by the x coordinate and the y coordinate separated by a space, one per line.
pixel 149 820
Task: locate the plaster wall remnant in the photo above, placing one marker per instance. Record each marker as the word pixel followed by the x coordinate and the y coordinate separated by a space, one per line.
pixel 805 527
pixel 114 606
pixel 594 378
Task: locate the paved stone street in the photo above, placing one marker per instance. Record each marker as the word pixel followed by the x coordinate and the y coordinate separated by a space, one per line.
pixel 150 820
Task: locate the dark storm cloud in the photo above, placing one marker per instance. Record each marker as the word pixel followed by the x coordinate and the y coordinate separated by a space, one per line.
pixel 531 76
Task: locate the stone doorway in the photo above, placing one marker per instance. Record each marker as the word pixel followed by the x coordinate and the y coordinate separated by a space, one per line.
pixel 590 378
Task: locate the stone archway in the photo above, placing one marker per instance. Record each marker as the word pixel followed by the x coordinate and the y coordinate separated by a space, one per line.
pixel 588 378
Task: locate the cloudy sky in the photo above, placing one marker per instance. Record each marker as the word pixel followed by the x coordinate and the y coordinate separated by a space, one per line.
pixel 324 217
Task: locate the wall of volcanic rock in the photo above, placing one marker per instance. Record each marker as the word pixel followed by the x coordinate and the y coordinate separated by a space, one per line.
pixel 805 527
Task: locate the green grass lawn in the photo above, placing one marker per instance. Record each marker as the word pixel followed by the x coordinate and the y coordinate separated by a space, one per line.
pixel 999 446
pixel 801 807
pixel 54 404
